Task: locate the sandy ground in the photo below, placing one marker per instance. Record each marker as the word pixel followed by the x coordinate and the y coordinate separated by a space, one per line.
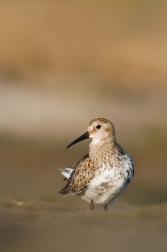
pixel 34 217
pixel 44 226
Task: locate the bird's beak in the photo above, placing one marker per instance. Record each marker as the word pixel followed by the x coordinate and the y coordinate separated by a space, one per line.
pixel 84 136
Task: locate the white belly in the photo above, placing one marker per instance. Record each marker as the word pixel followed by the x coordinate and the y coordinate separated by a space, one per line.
pixel 107 185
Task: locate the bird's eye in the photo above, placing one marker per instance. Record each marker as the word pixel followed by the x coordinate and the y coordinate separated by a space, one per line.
pixel 98 126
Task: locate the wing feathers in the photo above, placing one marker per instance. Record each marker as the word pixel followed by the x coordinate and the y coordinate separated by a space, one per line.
pixel 80 177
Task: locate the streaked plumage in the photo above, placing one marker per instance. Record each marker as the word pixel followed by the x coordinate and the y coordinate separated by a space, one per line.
pixel 102 174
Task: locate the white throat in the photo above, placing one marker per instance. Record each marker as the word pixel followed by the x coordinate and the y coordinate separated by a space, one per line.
pixel 96 141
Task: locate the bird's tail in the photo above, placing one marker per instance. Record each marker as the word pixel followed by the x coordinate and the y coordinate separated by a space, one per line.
pixel 64 191
pixel 66 172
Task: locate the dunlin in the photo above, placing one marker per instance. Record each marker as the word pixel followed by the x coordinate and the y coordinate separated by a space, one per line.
pixel 103 173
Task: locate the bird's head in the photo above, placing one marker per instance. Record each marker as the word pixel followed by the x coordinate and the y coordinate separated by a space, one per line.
pixel 98 129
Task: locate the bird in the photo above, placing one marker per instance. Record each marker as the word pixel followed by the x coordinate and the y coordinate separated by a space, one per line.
pixel 104 172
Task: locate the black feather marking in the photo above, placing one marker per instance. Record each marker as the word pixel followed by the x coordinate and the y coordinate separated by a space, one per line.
pixel 64 190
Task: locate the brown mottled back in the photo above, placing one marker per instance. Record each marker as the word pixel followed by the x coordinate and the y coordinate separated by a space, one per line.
pixel 81 176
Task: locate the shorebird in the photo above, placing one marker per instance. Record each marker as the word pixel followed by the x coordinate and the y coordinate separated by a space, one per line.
pixel 103 173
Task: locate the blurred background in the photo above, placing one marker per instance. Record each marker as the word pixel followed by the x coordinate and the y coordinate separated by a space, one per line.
pixel 62 64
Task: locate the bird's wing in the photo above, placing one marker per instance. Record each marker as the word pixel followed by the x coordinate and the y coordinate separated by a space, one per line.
pixel 83 172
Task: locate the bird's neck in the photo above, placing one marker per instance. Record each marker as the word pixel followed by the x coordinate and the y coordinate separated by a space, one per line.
pixel 100 151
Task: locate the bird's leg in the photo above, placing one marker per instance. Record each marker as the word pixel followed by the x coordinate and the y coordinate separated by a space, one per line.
pixel 92 205
pixel 106 207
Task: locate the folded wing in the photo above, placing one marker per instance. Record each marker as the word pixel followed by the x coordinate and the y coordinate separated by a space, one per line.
pixel 80 177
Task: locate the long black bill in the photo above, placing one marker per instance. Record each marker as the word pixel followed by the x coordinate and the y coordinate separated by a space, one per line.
pixel 84 136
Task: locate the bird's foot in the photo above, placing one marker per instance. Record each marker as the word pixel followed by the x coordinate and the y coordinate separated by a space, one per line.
pixel 92 205
pixel 105 208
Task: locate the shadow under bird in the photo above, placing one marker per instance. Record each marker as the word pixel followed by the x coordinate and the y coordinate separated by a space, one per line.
pixel 103 173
